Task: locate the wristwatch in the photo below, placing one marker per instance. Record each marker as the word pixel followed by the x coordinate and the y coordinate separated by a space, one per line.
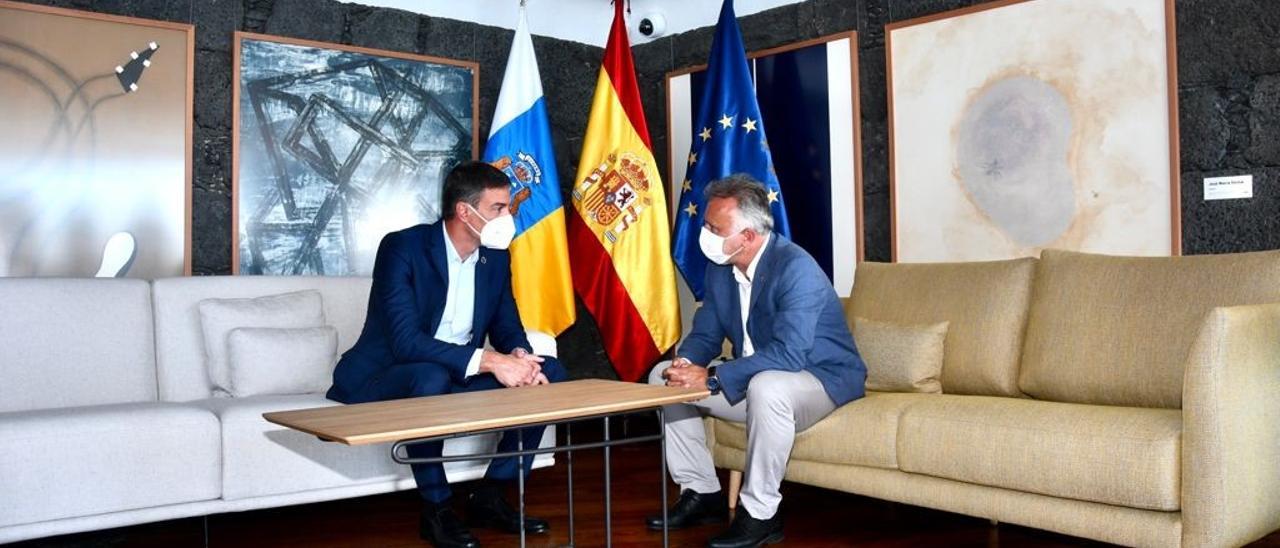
pixel 713 380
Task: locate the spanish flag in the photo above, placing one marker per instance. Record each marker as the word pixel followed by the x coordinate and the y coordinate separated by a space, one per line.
pixel 520 145
pixel 619 235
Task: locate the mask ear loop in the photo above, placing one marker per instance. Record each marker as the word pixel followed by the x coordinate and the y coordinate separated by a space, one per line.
pixel 741 247
pixel 478 214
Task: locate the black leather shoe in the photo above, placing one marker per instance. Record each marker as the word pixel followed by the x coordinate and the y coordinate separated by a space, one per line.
pixel 442 528
pixel 693 509
pixel 748 532
pixel 493 512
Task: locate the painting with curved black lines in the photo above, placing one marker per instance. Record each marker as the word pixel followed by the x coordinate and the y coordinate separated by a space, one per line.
pixel 94 144
pixel 338 146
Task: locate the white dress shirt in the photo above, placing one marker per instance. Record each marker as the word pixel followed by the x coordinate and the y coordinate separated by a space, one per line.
pixel 460 302
pixel 744 295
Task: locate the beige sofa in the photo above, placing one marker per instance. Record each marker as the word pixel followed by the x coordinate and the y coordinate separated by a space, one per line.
pixel 1128 400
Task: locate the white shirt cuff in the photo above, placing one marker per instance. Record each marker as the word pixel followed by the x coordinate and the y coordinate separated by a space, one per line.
pixel 473 366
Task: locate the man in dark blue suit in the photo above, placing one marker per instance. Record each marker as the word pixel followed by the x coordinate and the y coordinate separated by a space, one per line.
pixel 794 362
pixel 438 291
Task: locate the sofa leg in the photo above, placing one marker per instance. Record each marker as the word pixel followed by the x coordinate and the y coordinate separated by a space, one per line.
pixel 994 522
pixel 735 485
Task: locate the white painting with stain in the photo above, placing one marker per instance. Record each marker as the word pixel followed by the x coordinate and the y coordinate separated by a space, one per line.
pixel 1041 124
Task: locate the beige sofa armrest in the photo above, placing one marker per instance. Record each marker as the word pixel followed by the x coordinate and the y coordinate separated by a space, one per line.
pixel 1231 428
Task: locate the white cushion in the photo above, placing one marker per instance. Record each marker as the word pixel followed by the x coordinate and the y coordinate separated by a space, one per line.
pixel 66 342
pixel 219 316
pixel 180 355
pixel 60 463
pixel 263 459
pixel 267 360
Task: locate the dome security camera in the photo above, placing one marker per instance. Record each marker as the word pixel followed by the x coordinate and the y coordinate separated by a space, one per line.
pixel 653 25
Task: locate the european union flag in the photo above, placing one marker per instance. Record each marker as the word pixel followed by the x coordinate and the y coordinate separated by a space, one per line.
pixel 728 138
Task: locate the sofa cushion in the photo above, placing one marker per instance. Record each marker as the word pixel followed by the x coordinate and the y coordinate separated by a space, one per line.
pixel 180 343
pixel 901 358
pixel 985 304
pixel 863 432
pixel 1117 330
pixel 261 458
pixel 61 463
pixel 263 360
pixel 218 317
pixel 1125 456
pixel 68 342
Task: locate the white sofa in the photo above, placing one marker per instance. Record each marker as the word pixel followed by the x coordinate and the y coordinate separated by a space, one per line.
pixel 107 417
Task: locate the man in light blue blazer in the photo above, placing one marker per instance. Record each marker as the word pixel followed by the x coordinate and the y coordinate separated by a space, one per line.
pixel 794 362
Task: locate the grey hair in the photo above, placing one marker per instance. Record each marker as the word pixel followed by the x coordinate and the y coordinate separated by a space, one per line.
pixel 753 200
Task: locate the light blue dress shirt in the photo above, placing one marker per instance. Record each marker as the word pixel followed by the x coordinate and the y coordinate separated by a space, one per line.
pixel 460 302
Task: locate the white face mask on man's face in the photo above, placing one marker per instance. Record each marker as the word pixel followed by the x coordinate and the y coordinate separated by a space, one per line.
pixel 497 232
pixel 713 246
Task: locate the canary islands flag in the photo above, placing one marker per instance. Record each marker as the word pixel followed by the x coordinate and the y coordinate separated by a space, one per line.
pixel 520 145
pixel 728 139
pixel 619 232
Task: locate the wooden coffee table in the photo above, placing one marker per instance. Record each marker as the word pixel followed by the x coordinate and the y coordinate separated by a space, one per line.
pixel 414 421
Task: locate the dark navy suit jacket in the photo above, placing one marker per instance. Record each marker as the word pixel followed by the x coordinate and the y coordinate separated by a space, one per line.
pixel 795 320
pixel 406 302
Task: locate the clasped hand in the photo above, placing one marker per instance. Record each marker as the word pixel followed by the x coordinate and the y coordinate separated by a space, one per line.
pixel 685 374
pixel 519 368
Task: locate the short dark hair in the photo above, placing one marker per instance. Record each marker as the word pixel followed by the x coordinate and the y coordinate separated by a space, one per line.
pixel 466 182
pixel 753 200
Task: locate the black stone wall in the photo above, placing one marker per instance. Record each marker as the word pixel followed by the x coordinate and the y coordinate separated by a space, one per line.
pixel 1229 100
pixel 569 72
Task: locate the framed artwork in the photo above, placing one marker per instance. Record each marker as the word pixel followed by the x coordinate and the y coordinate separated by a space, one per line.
pixel 808 96
pixel 336 146
pixel 1021 125
pixel 95 144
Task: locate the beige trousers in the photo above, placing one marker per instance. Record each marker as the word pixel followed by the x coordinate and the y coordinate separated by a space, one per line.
pixel 778 405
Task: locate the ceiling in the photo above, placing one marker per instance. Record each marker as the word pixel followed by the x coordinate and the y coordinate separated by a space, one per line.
pixel 585 21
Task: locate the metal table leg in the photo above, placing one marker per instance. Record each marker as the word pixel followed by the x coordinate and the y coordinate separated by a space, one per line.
pixel 568 441
pixel 520 480
pixel 400 450
pixel 608 496
pixel 662 426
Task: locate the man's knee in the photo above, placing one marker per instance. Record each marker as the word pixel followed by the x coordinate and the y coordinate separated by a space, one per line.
pixel 428 379
pixel 655 376
pixel 554 370
pixel 766 393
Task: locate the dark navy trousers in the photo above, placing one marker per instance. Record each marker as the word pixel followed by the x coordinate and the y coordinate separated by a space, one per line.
pixel 411 380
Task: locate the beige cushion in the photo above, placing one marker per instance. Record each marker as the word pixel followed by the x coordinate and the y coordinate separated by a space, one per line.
pixel 277 361
pixel 901 358
pixel 1125 456
pixel 219 316
pixel 863 432
pixel 985 304
pixel 1117 330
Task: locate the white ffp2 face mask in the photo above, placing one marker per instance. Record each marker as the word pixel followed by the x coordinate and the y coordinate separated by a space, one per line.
pixel 713 247
pixel 497 232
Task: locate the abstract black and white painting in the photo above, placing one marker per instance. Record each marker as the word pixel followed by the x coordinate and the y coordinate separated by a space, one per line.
pixel 95 144
pixel 337 146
